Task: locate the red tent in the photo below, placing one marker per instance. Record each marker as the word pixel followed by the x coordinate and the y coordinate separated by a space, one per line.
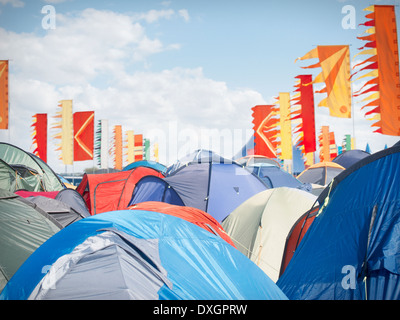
pixel 111 191
pixel 295 236
pixel 193 215
pixel 47 194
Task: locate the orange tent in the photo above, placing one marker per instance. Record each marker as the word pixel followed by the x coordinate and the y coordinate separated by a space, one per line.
pixel 193 215
pixel 111 191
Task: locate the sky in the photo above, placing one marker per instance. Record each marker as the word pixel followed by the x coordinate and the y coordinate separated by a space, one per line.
pixel 184 73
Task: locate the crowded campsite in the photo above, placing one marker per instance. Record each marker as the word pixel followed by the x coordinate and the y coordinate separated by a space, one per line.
pixel 91 209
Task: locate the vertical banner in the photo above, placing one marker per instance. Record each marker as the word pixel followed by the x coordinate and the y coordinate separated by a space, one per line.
pixel 130 146
pixel 383 66
pixel 155 152
pixel 65 135
pixel 335 64
pixel 264 126
pixel 285 126
pixel 306 113
pixel 39 135
pixel 138 147
pixel 147 149
pixel 83 135
pixel 101 144
pixel 3 94
pixel 324 150
pixel 117 147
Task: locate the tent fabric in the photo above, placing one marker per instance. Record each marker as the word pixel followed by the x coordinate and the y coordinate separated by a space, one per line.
pixel 351 250
pixel 23 229
pixel 11 179
pixel 320 173
pixel 275 177
pixel 197 156
pixel 145 255
pixel 259 226
pixel 350 157
pixel 146 163
pixel 152 188
pixel 14 156
pixel 73 199
pixel 193 215
pixel 216 188
pixel 111 191
pixel 26 194
pixel 57 209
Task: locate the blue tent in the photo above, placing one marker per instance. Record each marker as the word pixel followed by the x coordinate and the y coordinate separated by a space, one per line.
pixel 275 177
pixel 350 157
pixel 216 188
pixel 134 254
pixel 148 164
pixel 352 249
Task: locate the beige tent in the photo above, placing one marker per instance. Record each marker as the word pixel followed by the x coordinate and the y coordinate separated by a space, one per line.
pixel 260 225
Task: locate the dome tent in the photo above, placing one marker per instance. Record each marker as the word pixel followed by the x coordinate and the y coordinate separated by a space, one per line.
pixel 259 226
pixel 23 228
pixel 139 251
pixel 216 188
pixel 351 250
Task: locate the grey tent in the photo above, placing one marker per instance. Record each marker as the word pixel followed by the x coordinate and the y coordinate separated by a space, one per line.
pixel 57 209
pixel 11 179
pixel 72 198
pixel 23 229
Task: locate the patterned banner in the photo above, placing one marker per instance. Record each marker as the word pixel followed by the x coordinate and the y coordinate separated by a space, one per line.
pixel 117 147
pixel 138 147
pixel 65 135
pixel 335 64
pixel 285 124
pixel 383 67
pixel 83 135
pixel 264 124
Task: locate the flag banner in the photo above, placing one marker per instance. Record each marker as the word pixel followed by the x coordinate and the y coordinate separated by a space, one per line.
pixel 333 150
pixel 83 135
pixel 146 152
pixel 335 64
pixel 264 121
pixel 39 135
pixel 3 94
pixel 65 124
pixel 285 124
pixel 117 147
pixel 138 147
pixel 303 109
pixel 383 88
pixel 101 144
pixel 324 144
pixel 130 146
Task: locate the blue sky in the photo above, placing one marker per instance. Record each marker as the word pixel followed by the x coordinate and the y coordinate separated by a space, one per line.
pixel 183 72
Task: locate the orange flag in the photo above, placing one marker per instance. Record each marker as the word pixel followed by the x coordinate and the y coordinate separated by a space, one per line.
pixel 3 94
pixel 383 66
pixel 335 64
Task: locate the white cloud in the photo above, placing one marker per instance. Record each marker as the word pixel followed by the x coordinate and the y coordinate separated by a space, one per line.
pixel 184 14
pixel 72 61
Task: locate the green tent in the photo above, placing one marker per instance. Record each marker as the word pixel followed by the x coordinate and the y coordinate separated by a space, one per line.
pixel 11 179
pixel 259 226
pixel 35 171
pixel 23 228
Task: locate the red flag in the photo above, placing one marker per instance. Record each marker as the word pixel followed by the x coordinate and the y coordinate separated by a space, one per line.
pixel 40 135
pixel 264 139
pixel 138 147
pixel 4 94
pixel 83 135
